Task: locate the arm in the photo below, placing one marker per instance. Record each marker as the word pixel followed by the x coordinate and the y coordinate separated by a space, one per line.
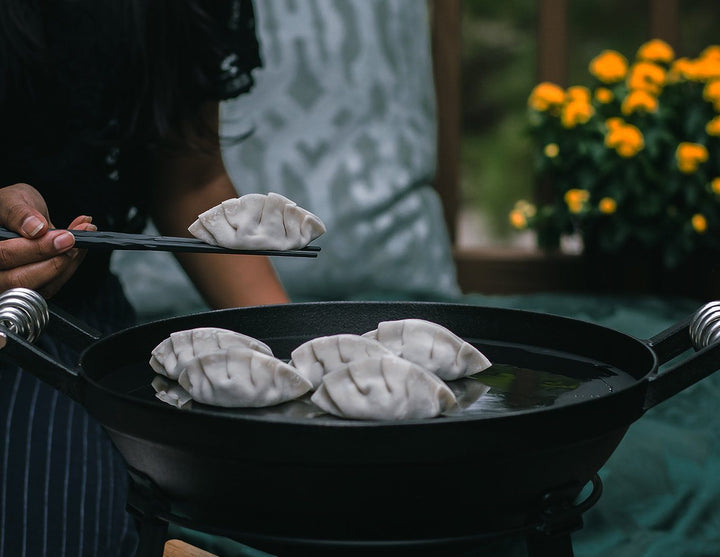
pixel 188 183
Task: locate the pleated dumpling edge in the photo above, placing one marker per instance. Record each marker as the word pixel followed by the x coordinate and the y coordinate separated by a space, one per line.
pixel 383 388
pixel 258 221
pixel 242 378
pixel 432 346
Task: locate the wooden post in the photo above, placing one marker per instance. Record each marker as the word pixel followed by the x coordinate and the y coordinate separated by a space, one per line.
pixel 552 62
pixel 665 21
pixel 552 49
pixel 445 21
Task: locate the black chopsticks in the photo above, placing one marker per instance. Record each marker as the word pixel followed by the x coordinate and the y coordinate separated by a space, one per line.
pixel 124 241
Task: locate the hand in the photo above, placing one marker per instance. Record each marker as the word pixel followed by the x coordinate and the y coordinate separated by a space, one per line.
pixel 43 259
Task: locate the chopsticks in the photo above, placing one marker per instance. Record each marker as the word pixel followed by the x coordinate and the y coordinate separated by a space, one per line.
pixel 124 241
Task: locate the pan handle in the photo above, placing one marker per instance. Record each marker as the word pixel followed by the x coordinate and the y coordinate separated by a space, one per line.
pixel 701 331
pixel 23 315
pixel 66 327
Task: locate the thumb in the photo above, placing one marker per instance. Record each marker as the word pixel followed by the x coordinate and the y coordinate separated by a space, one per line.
pixel 23 210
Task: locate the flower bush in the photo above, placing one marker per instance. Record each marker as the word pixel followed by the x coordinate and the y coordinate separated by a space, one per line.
pixel 633 160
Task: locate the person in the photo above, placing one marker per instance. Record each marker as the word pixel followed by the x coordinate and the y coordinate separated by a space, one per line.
pixel 342 121
pixel 109 114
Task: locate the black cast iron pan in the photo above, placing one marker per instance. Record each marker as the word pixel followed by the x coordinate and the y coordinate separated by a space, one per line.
pixel 562 394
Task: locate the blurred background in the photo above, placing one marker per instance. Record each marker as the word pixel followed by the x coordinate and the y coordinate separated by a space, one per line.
pixel 498 71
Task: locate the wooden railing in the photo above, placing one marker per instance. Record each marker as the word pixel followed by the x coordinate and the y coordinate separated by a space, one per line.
pixel 504 271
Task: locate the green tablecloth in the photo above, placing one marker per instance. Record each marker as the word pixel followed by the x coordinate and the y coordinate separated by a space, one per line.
pixel 662 484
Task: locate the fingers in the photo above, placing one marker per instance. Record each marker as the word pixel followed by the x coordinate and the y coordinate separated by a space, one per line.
pixel 69 261
pixel 41 275
pixel 44 264
pixel 18 252
pixel 23 210
pixel 78 222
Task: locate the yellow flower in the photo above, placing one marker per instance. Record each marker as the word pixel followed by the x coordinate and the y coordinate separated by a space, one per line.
pixel 706 69
pixel 682 68
pixel 689 156
pixel 713 126
pixel 517 219
pixel 551 150
pixel 526 208
pixel 711 91
pixel 604 95
pixel 656 51
pixel 612 123
pixel 520 214
pixel 699 223
pixel 712 51
pixel 545 96
pixel 576 195
pixel 609 66
pixel 576 112
pixel 607 205
pixel 647 76
pixel 627 140
pixel 578 93
pixel 639 100
pixel 715 185
pixel 576 199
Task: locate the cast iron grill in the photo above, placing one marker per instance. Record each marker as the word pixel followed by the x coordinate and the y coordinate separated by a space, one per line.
pixel 235 472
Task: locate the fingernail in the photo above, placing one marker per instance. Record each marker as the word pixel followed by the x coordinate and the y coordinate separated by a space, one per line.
pixel 91 228
pixel 63 241
pixel 32 225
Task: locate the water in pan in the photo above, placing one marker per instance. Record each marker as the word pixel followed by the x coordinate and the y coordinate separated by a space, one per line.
pixel 536 379
pixel 521 379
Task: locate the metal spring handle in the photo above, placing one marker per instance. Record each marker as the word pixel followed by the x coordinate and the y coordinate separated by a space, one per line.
pixel 705 325
pixel 24 312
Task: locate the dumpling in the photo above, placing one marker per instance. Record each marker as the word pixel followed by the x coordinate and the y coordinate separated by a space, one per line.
pixel 170 392
pixel 432 346
pixel 241 377
pixel 322 355
pixel 258 221
pixel 384 388
pixel 185 345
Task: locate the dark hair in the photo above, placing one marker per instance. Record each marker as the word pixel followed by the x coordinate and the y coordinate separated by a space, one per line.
pixel 21 44
pixel 175 49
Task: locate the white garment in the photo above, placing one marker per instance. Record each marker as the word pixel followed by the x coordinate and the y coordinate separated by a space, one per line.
pixel 342 121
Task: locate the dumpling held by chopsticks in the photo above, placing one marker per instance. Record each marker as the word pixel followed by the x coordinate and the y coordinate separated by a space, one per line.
pixel 258 221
